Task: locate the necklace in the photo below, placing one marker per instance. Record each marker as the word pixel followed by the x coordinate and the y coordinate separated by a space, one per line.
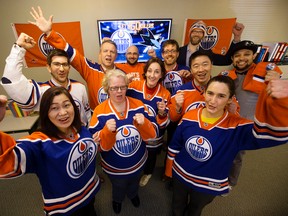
pixel 70 134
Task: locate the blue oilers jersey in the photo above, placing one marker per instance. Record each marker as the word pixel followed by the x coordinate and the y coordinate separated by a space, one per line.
pixel 123 152
pixel 201 154
pixel 66 169
pixel 172 80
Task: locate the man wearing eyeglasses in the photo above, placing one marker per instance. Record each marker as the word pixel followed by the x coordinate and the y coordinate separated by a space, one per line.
pixel 196 34
pixel 27 93
pixel 176 74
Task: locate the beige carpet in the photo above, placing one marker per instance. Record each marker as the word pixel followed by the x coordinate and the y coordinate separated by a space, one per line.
pixel 262 190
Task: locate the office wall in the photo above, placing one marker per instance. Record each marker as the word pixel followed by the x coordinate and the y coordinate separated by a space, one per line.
pixel 265 20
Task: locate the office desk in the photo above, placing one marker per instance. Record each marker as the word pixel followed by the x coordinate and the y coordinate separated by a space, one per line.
pixel 11 124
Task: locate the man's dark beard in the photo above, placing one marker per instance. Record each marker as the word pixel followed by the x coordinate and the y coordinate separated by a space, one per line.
pixel 242 69
pixel 130 63
pixel 193 41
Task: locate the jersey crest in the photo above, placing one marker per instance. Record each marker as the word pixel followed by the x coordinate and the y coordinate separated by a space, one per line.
pixel 102 95
pixel 199 148
pixel 172 81
pixel 128 140
pixel 80 157
pixel 195 105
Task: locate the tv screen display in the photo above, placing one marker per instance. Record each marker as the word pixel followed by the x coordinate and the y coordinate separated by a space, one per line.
pixel 143 33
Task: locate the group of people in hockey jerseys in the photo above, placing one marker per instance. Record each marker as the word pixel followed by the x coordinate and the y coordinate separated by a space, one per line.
pixel 130 117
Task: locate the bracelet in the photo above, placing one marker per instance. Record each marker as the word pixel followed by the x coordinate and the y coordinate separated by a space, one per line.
pixel 15 44
pixel 180 111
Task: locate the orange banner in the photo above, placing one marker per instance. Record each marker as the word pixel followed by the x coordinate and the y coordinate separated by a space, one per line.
pixel 36 56
pixel 218 34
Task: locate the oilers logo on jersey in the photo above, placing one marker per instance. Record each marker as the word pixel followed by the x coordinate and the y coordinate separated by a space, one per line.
pixel 81 155
pixel 172 81
pixel 128 140
pixel 195 105
pixel 199 148
pixel 102 95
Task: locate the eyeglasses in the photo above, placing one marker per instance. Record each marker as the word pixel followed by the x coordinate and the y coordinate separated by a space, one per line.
pixel 116 88
pixel 58 64
pixel 169 51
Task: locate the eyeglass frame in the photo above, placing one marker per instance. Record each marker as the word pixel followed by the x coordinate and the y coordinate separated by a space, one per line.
pixel 65 65
pixel 116 88
pixel 169 51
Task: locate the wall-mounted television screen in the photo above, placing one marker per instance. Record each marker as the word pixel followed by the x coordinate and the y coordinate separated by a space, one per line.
pixel 143 33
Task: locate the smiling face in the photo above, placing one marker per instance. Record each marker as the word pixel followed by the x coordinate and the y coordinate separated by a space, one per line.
pixel 61 113
pixel 59 70
pixel 132 55
pixel 201 68
pixel 170 54
pixel 196 36
pixel 217 97
pixel 243 59
pixel 153 74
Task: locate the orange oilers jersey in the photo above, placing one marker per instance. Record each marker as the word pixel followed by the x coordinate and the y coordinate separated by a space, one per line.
pixel 137 70
pixel 193 98
pixel 91 72
pixel 137 89
pixel 255 77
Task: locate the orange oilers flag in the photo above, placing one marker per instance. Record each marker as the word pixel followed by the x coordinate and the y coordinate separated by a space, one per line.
pixel 36 56
pixel 218 34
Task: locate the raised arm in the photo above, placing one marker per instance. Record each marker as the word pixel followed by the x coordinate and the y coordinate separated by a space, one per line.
pixel 43 24
pixel 17 86
pixel 237 32
pixel 3 101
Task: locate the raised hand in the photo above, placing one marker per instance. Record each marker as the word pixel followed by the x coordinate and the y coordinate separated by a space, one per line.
pixel 161 106
pixel 185 74
pixel 130 77
pixel 111 125
pixel 237 31
pixel 151 52
pixel 232 107
pixel 44 25
pixel 278 88
pixel 139 118
pixel 25 41
pixel 3 101
pixel 179 98
pixel 271 75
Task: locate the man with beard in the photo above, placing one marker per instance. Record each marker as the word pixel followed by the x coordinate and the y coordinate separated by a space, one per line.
pixel 250 79
pixel 176 74
pixel 196 34
pixel 132 66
